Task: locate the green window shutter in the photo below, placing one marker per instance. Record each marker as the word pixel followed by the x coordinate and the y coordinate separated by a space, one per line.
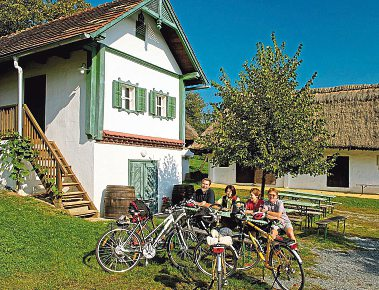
pixel 116 94
pixel 140 100
pixel 171 107
pixel 152 101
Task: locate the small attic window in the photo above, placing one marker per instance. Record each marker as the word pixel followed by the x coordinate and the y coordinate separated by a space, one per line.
pixel 141 27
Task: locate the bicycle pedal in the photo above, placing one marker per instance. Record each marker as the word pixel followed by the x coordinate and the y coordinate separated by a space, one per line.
pixel 226 283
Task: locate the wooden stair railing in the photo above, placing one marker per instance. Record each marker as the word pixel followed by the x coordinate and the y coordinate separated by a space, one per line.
pixel 8 119
pixel 54 171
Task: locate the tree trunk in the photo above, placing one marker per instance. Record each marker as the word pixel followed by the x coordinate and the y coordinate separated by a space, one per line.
pixel 263 183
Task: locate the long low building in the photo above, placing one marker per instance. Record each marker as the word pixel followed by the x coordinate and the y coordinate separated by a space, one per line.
pixel 352 116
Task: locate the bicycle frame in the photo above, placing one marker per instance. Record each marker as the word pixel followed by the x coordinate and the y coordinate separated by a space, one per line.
pixel 166 224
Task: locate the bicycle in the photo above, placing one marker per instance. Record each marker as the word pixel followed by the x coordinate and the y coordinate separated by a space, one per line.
pixel 214 254
pixel 277 255
pixel 120 249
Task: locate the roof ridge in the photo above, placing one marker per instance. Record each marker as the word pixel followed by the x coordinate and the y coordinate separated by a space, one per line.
pixel 345 88
pixel 59 18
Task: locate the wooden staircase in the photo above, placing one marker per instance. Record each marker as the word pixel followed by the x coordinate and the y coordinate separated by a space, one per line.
pixel 74 197
pixel 55 173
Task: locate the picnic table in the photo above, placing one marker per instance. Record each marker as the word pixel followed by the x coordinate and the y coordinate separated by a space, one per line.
pixel 305 197
pixel 329 197
pixel 308 209
pixel 223 213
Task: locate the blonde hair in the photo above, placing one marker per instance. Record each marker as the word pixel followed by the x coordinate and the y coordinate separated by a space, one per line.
pixel 256 192
pixel 273 190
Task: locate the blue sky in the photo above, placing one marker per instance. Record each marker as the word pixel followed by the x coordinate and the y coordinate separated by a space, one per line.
pixel 340 38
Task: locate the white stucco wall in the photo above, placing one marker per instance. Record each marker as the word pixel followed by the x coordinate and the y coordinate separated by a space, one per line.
pixel 141 124
pixel 65 109
pixel 8 88
pixel 363 169
pixel 226 175
pixel 112 168
pixel 153 50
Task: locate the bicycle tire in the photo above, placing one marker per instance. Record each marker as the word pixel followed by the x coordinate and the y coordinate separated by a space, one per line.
pixel 220 279
pixel 248 256
pixel 204 258
pixel 118 250
pixel 287 268
pixel 178 255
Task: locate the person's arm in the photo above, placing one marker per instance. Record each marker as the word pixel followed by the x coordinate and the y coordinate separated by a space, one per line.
pixel 211 196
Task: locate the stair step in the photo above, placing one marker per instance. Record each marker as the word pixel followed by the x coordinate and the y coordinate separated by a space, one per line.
pixel 71 204
pixel 73 193
pixel 69 184
pixel 84 213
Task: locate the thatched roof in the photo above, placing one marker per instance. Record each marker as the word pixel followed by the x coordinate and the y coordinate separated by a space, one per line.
pixel 191 133
pixel 198 146
pixel 352 114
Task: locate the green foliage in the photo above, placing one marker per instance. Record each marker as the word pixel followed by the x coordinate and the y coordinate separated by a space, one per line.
pixel 16 151
pixel 196 114
pixel 16 15
pixel 265 121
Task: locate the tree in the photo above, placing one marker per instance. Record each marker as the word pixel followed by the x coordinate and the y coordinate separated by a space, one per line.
pixel 196 114
pixel 16 15
pixel 266 122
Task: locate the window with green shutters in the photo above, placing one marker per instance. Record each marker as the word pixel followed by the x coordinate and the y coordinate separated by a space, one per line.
pixel 171 108
pixel 162 105
pixel 128 97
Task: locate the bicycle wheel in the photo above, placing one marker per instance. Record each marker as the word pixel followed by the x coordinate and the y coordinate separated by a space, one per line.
pixel 220 279
pixel 247 254
pixel 118 250
pixel 287 268
pixel 182 252
pixel 205 258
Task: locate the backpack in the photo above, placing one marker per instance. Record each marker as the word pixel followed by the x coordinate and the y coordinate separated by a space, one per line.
pixel 138 206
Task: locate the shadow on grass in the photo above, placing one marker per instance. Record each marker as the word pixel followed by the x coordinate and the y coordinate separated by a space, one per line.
pixel 87 258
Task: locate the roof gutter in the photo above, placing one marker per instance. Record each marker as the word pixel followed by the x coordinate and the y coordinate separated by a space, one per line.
pixel 20 93
pixel 46 47
pixel 199 87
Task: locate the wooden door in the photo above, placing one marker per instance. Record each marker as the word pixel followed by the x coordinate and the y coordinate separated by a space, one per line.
pixel 35 98
pixel 143 175
pixel 244 174
pixel 339 174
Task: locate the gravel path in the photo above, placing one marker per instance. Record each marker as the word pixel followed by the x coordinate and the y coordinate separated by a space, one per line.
pixel 355 269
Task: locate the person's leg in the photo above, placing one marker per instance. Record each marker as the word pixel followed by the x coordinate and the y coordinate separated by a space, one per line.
pixel 290 233
pixel 274 233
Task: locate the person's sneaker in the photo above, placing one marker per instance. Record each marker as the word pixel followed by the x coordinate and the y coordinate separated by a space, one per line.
pixel 294 246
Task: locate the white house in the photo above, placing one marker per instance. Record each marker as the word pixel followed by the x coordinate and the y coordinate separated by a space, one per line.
pixel 107 85
pixel 352 115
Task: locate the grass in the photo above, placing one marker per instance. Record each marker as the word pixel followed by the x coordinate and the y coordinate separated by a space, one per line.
pixel 198 163
pixel 43 248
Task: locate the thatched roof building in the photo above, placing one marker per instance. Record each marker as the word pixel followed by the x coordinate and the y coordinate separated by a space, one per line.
pixel 191 133
pixel 352 114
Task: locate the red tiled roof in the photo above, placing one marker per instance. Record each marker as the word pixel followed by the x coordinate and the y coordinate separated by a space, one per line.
pixel 139 140
pixel 64 28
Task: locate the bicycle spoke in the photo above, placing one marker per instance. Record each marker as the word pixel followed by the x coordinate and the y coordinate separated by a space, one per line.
pixel 287 269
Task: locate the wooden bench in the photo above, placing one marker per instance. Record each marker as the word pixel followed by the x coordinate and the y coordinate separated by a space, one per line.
pixel 296 219
pixel 323 224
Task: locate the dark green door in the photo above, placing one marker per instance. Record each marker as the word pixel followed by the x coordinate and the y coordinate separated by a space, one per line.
pixel 143 175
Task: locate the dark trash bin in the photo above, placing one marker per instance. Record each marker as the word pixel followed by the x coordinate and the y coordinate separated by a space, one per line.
pixel 181 192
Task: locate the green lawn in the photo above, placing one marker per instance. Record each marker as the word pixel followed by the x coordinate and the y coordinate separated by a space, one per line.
pixel 198 163
pixel 43 248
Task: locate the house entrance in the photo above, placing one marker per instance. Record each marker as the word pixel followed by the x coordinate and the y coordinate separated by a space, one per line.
pixel 339 174
pixel 244 174
pixel 35 98
pixel 143 175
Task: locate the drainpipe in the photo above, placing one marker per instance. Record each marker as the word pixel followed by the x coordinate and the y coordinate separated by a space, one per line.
pixel 20 93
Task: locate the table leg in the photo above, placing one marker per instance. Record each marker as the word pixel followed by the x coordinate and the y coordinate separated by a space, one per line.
pixel 338 225
pixel 344 226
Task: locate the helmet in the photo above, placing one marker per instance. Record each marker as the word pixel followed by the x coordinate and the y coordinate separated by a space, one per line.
pixel 258 215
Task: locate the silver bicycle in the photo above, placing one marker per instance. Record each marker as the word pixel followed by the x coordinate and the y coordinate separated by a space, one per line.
pixel 121 249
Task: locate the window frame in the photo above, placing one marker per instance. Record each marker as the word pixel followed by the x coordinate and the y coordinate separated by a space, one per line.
pixel 121 103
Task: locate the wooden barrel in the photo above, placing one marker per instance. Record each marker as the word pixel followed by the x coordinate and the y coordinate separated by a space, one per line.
pixel 117 199
pixel 182 191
